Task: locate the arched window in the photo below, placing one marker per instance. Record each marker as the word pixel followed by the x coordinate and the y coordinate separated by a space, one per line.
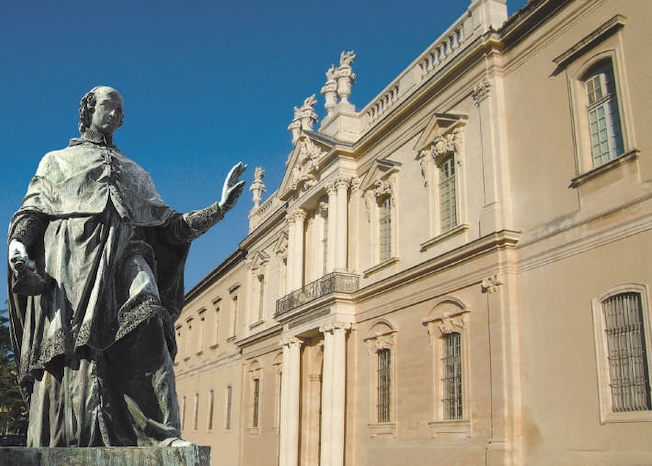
pixel 603 113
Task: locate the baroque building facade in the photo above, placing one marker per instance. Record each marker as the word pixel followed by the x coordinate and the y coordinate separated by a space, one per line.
pixel 456 273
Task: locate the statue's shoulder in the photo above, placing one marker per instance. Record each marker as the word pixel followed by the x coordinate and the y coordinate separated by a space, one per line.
pixel 61 163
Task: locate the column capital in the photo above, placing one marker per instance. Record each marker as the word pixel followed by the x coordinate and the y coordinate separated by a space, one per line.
pixel 291 342
pixel 331 327
pixel 342 182
pixel 296 215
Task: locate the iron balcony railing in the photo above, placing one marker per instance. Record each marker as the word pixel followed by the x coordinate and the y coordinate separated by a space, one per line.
pixel 335 282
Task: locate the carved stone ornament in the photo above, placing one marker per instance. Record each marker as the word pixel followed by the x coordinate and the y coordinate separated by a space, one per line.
pixel 329 91
pixel 345 76
pixel 304 172
pixel 491 283
pixel 257 186
pixel 382 188
pixel 381 342
pixel 481 91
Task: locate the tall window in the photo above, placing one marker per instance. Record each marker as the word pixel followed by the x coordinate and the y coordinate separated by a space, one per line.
pixel 447 195
pixel 255 402
pixel 211 408
pixel 196 416
pixel 452 376
pixel 384 385
pixel 603 114
pixel 183 413
pixel 234 314
pixel 385 227
pixel 626 353
pixel 261 296
pixel 229 407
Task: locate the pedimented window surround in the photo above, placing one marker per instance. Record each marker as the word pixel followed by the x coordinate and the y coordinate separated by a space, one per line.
pixel 441 157
pixel 380 190
pixel 448 316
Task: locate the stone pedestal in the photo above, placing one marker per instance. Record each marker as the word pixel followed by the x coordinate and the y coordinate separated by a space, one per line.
pixel 106 456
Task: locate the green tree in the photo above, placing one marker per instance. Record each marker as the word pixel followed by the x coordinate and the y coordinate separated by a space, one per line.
pixel 13 412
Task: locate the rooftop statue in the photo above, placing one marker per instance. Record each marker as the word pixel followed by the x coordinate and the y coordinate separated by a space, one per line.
pixel 96 283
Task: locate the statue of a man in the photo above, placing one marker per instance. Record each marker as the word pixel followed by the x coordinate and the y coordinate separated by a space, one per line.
pixel 96 282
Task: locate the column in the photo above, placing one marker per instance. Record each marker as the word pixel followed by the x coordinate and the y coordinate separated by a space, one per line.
pixel 296 220
pixel 290 387
pixel 332 218
pixel 334 394
pixel 341 234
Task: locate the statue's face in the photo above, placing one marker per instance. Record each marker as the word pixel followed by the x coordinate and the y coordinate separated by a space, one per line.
pixel 108 111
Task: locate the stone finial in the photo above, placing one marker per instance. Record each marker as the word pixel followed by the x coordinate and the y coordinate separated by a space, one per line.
pixel 345 76
pixel 257 186
pixel 304 118
pixel 308 114
pixel 329 91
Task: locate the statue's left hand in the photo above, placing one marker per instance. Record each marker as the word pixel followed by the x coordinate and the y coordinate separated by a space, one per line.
pixel 233 187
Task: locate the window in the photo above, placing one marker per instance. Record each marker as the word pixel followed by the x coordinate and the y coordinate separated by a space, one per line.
pixel 381 341
pixel 384 385
pixel 229 407
pixel 202 330
pixel 261 297
pixel 452 375
pixel 622 337
pixel 603 114
pixel 448 326
pixel 447 195
pixel 255 401
pixel 216 323
pixel 441 158
pixel 385 227
pixel 211 408
pixel 196 416
pixel 183 413
pixel 255 373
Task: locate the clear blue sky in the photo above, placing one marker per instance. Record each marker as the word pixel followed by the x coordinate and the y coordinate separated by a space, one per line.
pixel 206 83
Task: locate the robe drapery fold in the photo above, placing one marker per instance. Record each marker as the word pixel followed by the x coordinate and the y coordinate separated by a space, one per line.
pixel 112 254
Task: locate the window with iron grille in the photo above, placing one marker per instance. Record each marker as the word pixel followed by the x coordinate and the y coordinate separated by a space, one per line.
pixel 447 195
pixel 629 379
pixel 603 114
pixel 384 385
pixel 452 376
pixel 385 228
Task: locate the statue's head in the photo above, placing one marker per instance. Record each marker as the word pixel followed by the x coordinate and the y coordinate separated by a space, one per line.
pixel 101 110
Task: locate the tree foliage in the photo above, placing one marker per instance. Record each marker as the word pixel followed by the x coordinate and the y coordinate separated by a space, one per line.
pixel 13 412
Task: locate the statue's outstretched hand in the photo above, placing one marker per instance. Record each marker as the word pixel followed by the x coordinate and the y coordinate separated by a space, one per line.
pixel 233 187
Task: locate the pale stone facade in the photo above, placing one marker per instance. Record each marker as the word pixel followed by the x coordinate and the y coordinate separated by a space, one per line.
pixel 455 274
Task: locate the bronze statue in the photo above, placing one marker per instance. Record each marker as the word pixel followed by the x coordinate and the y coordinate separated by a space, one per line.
pixel 96 282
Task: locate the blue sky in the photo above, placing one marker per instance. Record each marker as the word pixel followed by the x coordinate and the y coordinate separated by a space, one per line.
pixel 205 84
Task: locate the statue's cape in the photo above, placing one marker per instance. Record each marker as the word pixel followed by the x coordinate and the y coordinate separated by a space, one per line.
pixel 74 184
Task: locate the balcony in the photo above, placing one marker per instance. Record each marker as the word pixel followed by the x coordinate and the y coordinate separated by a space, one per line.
pixel 335 282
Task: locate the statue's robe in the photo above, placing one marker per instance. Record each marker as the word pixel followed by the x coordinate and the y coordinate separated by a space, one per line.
pixel 95 350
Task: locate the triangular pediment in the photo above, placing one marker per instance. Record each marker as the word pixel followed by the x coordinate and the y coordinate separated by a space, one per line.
pixel 439 125
pixel 259 258
pixel 280 247
pixel 380 170
pixel 303 164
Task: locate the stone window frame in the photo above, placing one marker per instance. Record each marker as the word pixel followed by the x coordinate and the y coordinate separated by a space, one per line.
pixel 607 415
pixel 201 338
pixel 228 407
pixel 259 274
pixel 235 306
pixel 381 183
pixel 443 140
pixel 277 365
pixel 210 421
pixel 254 418
pixel 382 335
pixel 448 315
pixel 217 310
pixel 602 45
